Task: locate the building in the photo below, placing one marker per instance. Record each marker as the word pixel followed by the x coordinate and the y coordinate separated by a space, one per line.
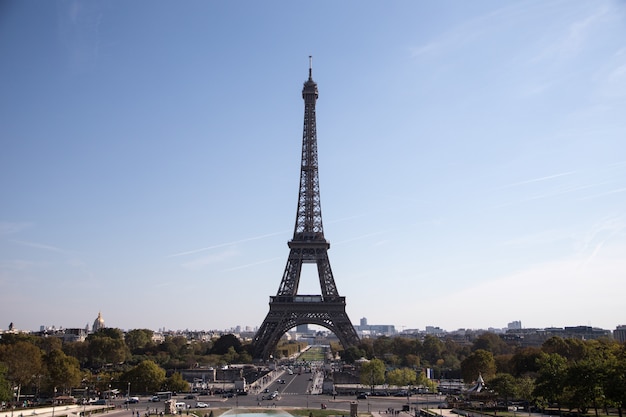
pixel 514 325
pixel 98 323
pixel 619 333
pixel 373 330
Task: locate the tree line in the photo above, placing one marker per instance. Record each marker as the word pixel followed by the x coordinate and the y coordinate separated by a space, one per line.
pixel 33 366
pixel 569 373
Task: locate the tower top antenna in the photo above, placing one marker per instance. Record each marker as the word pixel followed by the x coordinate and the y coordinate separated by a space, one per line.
pixel 310 67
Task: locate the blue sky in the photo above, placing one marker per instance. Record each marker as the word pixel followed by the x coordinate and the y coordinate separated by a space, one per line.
pixel 472 160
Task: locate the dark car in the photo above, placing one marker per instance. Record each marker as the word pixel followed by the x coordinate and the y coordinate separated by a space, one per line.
pixel 361 396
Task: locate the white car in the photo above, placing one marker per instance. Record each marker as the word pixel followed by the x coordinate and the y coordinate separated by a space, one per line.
pixel 202 405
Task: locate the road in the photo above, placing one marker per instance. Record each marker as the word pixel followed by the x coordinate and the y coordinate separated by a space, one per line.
pixel 293 393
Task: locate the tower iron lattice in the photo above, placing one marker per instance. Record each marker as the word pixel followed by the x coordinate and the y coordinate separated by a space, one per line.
pixel 289 309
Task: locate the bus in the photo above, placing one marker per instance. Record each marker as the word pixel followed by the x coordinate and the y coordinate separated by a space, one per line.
pixel 162 396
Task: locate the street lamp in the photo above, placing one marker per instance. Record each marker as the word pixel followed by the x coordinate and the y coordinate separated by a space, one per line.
pixel 54 400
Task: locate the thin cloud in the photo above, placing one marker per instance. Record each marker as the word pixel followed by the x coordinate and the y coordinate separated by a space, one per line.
pixel 222 245
pixel 604 194
pixel 368 235
pixel 562 191
pixel 265 261
pixel 250 239
pixel 532 180
pixel 8 228
pixel 572 41
pixel 208 260
pixel 42 246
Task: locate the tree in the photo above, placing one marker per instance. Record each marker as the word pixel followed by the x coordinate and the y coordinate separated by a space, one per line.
pixel 479 362
pixel 23 362
pixel 104 349
pixel 63 370
pixel 78 350
pixel 432 349
pixel 401 377
pixel 138 339
pixel 372 373
pixel 551 381
pixel 615 387
pixel 145 377
pixel 221 345
pixel 504 385
pixel 525 361
pixel 48 344
pixel 5 387
pixel 177 383
pixel 525 388
pixel 570 349
pixel 351 354
pixel 382 345
pixel 111 332
pixel 412 361
pixel 490 342
pixel 584 382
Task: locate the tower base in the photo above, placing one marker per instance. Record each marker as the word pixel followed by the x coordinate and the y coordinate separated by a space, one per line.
pixel 287 312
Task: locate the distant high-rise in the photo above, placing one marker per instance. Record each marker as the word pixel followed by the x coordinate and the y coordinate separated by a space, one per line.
pixel 514 325
pixel 619 333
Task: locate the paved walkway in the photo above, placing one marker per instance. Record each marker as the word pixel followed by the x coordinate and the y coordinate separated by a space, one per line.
pixel 59 410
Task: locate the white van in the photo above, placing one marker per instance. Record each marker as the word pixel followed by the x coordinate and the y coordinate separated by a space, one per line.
pixel 181 406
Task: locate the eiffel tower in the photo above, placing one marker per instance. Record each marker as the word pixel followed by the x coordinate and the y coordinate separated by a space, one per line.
pixel 289 309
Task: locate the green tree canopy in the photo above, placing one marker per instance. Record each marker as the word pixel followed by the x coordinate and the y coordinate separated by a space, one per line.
pixel 63 371
pixel 5 386
pixel 525 361
pixel 147 377
pixel 111 332
pixel 372 372
pixel 221 345
pixel 139 339
pixel 106 350
pixel 479 362
pixel 351 354
pixel 23 361
pixel 401 377
pixel 504 385
pixel 552 378
pixel 490 342
pixel 432 349
pixel 176 383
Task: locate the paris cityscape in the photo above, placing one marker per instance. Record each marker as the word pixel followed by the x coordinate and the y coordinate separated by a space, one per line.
pixel 468 174
pixel 364 330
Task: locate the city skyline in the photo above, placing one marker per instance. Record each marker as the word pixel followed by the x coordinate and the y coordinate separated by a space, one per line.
pixel 362 326
pixel 471 160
